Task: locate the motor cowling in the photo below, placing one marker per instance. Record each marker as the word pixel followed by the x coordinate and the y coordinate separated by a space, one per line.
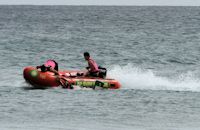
pixel 102 72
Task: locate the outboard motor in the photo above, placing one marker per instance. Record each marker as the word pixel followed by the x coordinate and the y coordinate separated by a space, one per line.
pixel 102 72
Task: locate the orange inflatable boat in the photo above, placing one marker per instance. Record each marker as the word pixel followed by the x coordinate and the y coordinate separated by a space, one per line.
pixel 37 78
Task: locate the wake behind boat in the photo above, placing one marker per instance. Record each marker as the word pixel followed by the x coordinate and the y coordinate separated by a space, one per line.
pixel 40 79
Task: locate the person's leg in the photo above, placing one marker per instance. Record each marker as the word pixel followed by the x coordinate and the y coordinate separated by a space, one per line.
pixel 65 83
pixel 93 74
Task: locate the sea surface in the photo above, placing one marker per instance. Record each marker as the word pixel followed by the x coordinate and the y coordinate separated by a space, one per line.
pixel 154 52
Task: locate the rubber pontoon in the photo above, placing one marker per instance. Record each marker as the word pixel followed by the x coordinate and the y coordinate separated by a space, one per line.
pixel 37 78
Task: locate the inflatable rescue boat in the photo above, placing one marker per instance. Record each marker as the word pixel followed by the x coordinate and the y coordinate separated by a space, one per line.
pixel 37 78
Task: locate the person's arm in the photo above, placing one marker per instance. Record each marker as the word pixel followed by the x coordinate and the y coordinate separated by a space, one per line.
pixel 37 67
pixel 53 70
pixel 91 65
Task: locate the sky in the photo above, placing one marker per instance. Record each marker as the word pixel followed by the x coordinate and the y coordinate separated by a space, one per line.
pixel 102 2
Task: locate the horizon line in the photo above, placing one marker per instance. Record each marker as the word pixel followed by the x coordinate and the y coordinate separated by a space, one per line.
pixel 96 5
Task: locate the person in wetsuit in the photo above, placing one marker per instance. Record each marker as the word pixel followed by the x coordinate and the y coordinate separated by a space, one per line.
pixel 52 66
pixel 92 68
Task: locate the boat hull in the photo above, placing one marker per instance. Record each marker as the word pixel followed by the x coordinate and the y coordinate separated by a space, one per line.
pixel 48 79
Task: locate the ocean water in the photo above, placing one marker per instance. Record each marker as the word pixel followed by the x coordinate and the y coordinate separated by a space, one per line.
pixel 153 51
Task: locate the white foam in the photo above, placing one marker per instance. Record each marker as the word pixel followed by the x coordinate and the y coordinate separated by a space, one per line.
pixel 135 78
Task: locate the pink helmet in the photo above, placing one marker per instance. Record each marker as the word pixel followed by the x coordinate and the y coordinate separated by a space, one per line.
pixel 50 63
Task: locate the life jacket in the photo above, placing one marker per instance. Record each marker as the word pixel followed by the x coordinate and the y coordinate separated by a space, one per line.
pixel 93 65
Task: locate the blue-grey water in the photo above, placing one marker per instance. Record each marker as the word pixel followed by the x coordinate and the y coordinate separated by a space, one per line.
pixel 153 51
